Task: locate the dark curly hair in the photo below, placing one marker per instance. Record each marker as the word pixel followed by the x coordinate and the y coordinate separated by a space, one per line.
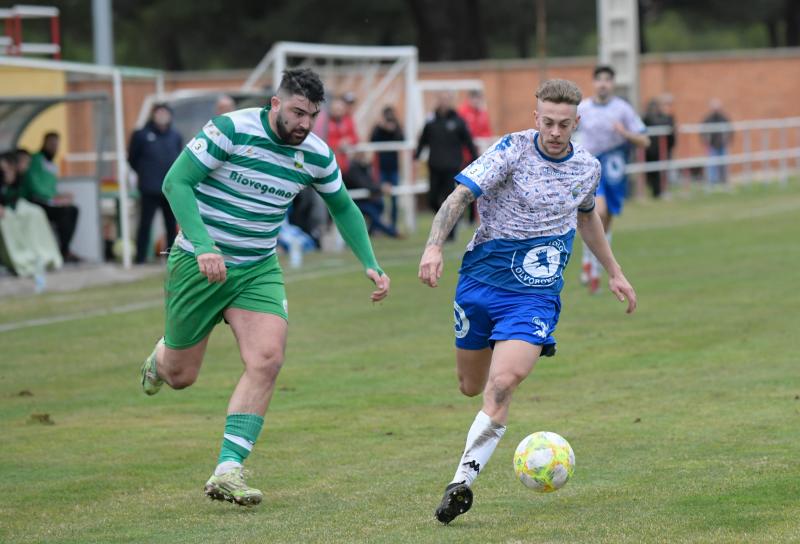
pixel 303 82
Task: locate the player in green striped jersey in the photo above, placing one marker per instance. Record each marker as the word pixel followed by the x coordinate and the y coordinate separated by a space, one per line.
pixel 230 190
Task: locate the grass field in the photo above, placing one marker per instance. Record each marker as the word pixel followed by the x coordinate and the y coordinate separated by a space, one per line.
pixel 684 418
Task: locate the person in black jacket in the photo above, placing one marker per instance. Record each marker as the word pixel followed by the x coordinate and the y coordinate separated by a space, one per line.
pixel 658 116
pixel 445 134
pixel 152 151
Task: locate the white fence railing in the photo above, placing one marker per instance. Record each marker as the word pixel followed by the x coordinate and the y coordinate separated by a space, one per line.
pixel 761 147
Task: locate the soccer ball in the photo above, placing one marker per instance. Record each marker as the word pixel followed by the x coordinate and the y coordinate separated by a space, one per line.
pixel 544 461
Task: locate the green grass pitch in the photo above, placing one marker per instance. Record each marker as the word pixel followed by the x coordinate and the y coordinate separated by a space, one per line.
pixel 684 418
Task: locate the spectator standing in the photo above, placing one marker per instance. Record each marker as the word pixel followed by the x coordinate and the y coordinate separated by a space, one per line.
pixel 388 129
pixel 342 135
pixel 660 147
pixel 445 134
pixel 39 185
pixel 473 111
pixel 717 142
pixel 152 151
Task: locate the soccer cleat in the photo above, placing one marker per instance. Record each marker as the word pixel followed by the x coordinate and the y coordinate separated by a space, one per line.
pixel 586 272
pixel 594 285
pixel 456 501
pixel 231 487
pixel 151 383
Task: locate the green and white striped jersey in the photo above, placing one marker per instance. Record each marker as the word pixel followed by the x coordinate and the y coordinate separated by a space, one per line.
pixel 251 180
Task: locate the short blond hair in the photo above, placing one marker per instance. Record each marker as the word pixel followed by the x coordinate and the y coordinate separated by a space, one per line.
pixel 559 91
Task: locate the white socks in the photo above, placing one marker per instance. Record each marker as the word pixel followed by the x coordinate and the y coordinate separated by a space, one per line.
pixel 588 257
pixel 226 466
pixel 482 439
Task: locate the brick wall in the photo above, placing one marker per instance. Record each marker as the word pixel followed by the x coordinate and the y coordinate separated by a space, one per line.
pixel 751 85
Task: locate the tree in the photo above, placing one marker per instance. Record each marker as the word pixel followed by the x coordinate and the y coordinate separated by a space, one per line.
pixel 448 29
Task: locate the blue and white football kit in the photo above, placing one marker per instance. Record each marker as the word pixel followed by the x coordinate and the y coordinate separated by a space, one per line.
pixel 512 272
pixel 597 135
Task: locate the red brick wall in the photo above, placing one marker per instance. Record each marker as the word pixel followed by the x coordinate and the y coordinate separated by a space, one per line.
pixel 751 85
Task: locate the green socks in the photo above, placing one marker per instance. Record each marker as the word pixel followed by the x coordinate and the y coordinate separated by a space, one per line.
pixel 241 432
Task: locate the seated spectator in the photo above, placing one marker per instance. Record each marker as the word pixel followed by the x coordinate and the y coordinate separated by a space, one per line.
pixel 388 129
pixel 359 176
pixel 27 244
pixel 39 186
pixel 309 213
pixel 295 242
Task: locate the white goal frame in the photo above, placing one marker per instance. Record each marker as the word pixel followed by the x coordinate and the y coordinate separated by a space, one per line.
pixel 376 82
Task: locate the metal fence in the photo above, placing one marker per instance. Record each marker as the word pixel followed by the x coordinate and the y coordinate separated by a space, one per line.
pixel 762 149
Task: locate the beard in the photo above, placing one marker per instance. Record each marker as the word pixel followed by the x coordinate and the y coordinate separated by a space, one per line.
pixel 290 137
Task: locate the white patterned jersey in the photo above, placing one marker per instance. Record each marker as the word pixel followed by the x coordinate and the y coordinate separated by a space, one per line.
pixel 596 130
pixel 528 204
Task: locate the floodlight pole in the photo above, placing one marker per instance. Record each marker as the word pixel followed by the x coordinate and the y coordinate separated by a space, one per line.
pixel 618 44
pixel 102 25
pixel 411 130
pixel 122 170
pixel 541 38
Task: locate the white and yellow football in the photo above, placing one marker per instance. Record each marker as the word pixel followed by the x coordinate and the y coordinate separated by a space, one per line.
pixel 544 461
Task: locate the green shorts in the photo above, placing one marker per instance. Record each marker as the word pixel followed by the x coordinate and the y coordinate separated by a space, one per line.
pixel 193 307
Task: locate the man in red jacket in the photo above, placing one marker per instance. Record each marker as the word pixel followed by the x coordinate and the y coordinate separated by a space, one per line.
pixel 342 135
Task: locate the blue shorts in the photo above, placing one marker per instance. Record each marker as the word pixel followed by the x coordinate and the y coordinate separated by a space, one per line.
pixel 485 314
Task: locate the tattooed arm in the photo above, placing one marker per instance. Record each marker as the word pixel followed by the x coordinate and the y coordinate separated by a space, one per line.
pixel 430 266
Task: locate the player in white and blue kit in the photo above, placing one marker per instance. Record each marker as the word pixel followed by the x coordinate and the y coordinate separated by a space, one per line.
pixel 609 127
pixel 534 189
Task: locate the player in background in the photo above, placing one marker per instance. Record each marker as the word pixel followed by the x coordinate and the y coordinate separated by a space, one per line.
pixel 609 126
pixel 230 189
pixel 534 188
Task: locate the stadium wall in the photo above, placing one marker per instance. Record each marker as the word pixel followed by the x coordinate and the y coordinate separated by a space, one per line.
pixel 751 84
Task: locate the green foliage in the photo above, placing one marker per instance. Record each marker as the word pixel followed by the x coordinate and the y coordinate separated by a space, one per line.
pixel 208 34
pixel 684 417
pixel 673 32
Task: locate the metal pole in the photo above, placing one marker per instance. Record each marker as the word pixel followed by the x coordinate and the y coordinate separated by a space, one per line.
pixel 103 28
pixel 747 148
pixel 662 156
pixel 408 202
pixel 277 68
pixel 122 168
pixel 541 38
pixel 160 85
pixel 784 173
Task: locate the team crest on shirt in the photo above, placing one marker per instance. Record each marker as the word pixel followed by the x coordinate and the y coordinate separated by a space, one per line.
pixel 298 159
pixel 539 266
